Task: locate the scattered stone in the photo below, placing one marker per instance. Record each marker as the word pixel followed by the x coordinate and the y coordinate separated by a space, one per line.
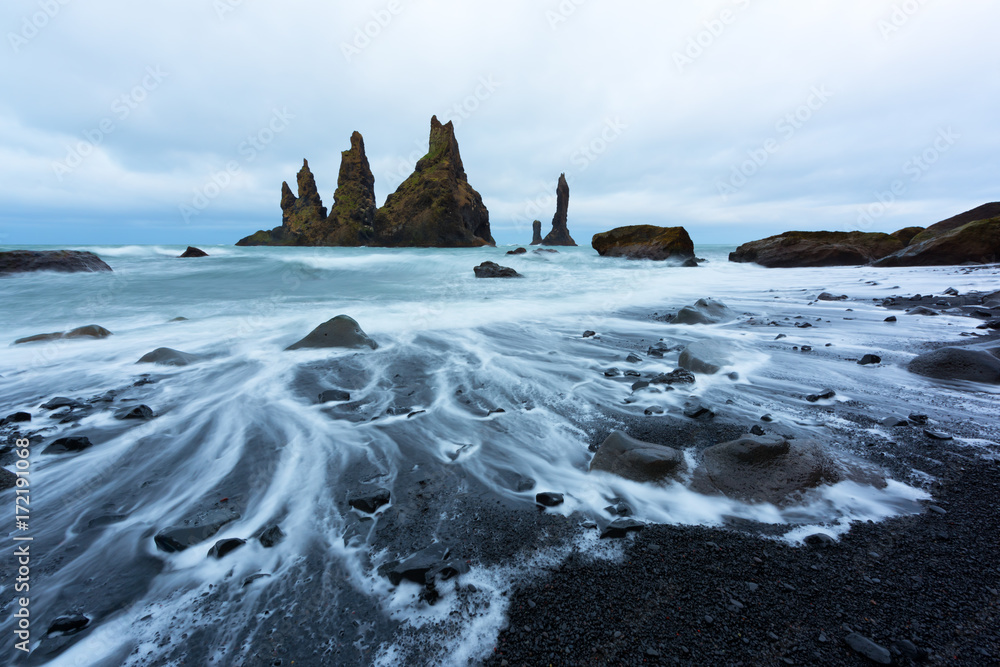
pixel 822 396
pixel 179 538
pixel 224 547
pixel 142 412
pixel 922 310
pixel 704 311
pixel 424 566
pixel 892 422
pixel 89 331
pixel 909 650
pixel 494 270
pixel 698 411
pixel 780 336
pixel 76 443
pixel 341 331
pixel 826 296
pixel 61 402
pixel 518 251
pixel 68 625
pixel 589 334
pixel 756 430
pixel 633 359
pixel 165 356
pixel 820 540
pixel 891 318
pixel 271 536
pixel 621 527
pixel 549 499
pixel 866 647
pixel 254 577
pixel 627 457
pixel 17 417
pixel 767 418
pixel 369 501
pixel 8 480
pixel 919 420
pixel 653 410
pixel 870 359
pixel 706 356
pixel 612 373
pixel 676 376
pixel 937 435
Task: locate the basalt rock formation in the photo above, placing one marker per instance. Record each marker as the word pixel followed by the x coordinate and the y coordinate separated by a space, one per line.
pixel 795 249
pixel 560 233
pixel 436 206
pixel 302 217
pixel 352 216
pixel 646 242
pixel 948 242
pixel 63 261
pixel 536 232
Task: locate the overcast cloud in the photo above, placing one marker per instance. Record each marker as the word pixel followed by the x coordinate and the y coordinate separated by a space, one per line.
pixel 176 121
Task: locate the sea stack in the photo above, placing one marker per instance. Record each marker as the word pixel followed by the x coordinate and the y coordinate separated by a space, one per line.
pixel 436 206
pixel 301 217
pixel 536 232
pixel 352 216
pixel 560 233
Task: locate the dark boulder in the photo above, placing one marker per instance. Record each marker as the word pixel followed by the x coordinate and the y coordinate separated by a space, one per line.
pixel 536 232
pixel 560 232
pixel 518 251
pixel 61 402
pixel 977 242
pixel 645 242
pixel 222 548
pixel 704 311
pixel 179 538
pixel 142 412
pixel 369 501
pixel 193 252
pixel 271 536
pixel 824 395
pixel 958 363
pixel 794 249
pixel 63 261
pixel 826 296
pixel 68 625
pixel 89 331
pixel 676 376
pixel 8 480
pixel 619 528
pixel 494 270
pixel 706 356
pixel 75 443
pixel 341 331
pixel 16 418
pixel 424 566
pixel 870 359
pixel 549 499
pixel 623 455
pixel 165 356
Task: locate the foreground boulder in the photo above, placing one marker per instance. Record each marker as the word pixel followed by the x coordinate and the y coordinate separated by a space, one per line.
pixel 63 261
pixel 424 566
pixel 958 363
pixel 89 331
pixel 804 249
pixel 706 356
pixel 179 538
pixel 977 242
pixel 646 242
pixel 560 232
pixel 494 270
pixel 770 469
pixel 166 356
pixel 436 206
pixel 623 455
pixel 341 331
pixel 704 311
pixel 193 252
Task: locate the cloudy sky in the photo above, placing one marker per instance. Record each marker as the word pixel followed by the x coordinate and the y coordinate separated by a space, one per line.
pixel 176 121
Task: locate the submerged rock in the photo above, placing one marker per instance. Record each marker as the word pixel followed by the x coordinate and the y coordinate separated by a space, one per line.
pixel 793 249
pixel 63 261
pixel 68 625
pixel 494 270
pixel 193 252
pixel 224 547
pixel 627 457
pixel 179 538
pixel 75 443
pixel 142 412
pixel 517 251
pixel 271 536
pixel 89 331
pixel 706 356
pixel 958 363
pixel 645 242
pixel 369 501
pixel 560 232
pixel 549 499
pixel 165 356
pixel 704 311
pixel 341 331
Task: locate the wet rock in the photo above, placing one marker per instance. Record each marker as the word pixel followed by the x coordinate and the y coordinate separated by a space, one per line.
pixel 194 252
pixel 61 402
pixel 706 356
pixel 589 334
pixel 494 270
pixel 340 332
pixel 794 249
pixel 222 548
pixel 621 527
pixel 560 233
pixel 869 649
pixel 142 412
pixel 369 501
pixel 424 566
pixel 612 373
pixel 824 395
pixel 676 376
pixel 536 232
pixel 334 396
pixel 76 443
pixel 549 499
pixel 891 318
pixel 756 430
pixel 179 538
pixel 8 480
pixel 919 420
pixel 922 310
pixel 271 536
pixel 869 359
pixel 165 356
pixel 518 251
pixel 893 422
pixel 641 384
pixel 820 540
pixel 957 363
pixel 937 435
pixel 653 410
pixel 625 456
pixel 645 242
pixel 698 411
pixel 89 331
pixel 68 625
pixel 539 251
pixel 826 296
pixel 63 261
pixel 704 311
pixel 633 359
pixel 254 577
pixel 15 418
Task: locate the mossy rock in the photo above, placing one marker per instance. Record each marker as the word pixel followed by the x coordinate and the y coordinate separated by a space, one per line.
pixel 817 249
pixel 976 242
pixel 645 242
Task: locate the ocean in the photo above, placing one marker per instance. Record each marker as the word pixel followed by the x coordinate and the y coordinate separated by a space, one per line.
pixel 481 393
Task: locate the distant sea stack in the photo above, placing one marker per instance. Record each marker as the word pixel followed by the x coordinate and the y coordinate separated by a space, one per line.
pixel 434 207
pixel 560 233
pixel 536 232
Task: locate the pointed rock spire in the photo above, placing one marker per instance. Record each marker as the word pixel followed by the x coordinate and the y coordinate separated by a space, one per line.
pixel 560 232
pixel 352 215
